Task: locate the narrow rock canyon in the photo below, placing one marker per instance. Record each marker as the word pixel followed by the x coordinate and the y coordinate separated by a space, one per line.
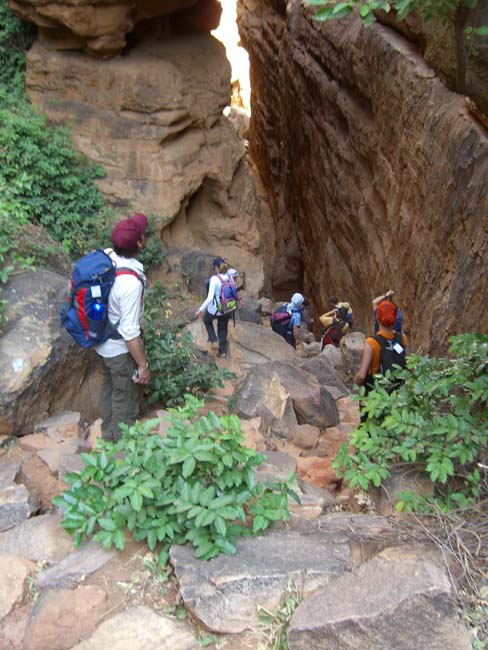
pixel 373 173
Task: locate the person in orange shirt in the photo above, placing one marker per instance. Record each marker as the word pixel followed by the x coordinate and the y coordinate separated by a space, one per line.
pixel 385 349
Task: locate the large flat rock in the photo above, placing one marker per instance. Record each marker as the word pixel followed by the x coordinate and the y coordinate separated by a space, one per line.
pixel 400 603
pixel 139 628
pixel 75 567
pixel 13 574
pixel 224 592
pixel 39 539
pixel 250 344
pixel 60 618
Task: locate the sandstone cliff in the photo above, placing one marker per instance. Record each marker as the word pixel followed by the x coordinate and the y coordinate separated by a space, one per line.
pixel 153 118
pixel 375 172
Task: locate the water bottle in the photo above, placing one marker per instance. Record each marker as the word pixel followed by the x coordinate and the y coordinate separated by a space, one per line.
pixel 97 311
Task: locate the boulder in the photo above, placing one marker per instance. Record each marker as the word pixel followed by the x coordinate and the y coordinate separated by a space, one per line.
pixel 319 471
pixel 334 355
pixel 75 567
pixel 52 455
pixel 249 310
pixel 252 431
pixel 275 384
pixel 306 436
pixel 60 618
pixel 139 628
pixel 401 480
pixel 352 346
pixel 325 373
pixel 401 603
pixel 61 426
pixel 224 592
pixel 16 504
pixel 314 502
pixel 268 400
pixel 277 467
pixel 13 575
pixel 42 370
pixel 39 539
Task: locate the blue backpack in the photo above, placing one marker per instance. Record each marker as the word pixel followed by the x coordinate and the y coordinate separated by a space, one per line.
pixel 91 282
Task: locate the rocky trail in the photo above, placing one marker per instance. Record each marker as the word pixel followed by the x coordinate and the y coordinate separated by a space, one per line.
pixel 356 578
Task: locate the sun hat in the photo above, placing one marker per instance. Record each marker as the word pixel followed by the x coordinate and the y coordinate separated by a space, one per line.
pixel 233 273
pixel 128 232
pixel 386 313
pixel 297 299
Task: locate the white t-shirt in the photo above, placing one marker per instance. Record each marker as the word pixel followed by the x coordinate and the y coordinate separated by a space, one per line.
pixel 213 296
pixel 125 306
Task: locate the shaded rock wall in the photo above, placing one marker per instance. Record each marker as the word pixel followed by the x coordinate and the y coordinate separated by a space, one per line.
pixel 153 119
pixel 376 174
pixel 42 370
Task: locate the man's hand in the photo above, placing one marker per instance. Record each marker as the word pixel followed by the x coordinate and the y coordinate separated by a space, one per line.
pixel 143 375
pixel 358 379
pixel 198 313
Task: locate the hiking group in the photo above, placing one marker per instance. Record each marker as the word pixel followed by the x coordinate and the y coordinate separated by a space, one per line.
pixel 105 306
pixel 382 351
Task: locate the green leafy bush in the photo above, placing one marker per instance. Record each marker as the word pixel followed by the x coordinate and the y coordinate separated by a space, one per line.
pixel 46 180
pixel 437 420
pixel 175 368
pixel 16 37
pixel 196 485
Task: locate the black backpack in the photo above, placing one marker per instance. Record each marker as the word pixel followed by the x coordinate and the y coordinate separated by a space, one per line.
pixel 390 355
pixel 389 358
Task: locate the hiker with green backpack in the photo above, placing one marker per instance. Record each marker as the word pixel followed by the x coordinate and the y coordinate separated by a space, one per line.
pixel 220 304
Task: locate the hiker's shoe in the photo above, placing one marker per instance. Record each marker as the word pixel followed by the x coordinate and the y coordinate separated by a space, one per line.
pixel 222 355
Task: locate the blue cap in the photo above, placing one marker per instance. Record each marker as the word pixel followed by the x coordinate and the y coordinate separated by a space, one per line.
pixel 218 261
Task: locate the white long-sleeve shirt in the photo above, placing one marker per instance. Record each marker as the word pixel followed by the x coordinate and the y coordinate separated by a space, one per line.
pixel 213 296
pixel 125 306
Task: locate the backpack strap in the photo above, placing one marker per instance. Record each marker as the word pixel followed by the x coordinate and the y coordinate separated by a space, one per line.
pixel 125 270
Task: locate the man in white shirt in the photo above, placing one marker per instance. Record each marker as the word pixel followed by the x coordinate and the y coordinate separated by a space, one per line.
pixel 125 365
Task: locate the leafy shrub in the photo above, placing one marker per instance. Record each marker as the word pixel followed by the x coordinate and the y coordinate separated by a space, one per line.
pixel 436 420
pixel 16 37
pixel 197 485
pixel 46 180
pixel 175 368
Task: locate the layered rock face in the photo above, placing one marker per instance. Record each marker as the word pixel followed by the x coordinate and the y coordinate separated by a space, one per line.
pixel 153 119
pixel 101 27
pixel 375 173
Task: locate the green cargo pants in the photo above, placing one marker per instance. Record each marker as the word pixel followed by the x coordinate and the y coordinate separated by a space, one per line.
pixel 119 398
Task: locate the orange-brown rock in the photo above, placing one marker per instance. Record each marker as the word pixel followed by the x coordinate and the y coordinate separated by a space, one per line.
pixel 375 173
pixel 101 27
pixel 318 471
pixel 153 118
